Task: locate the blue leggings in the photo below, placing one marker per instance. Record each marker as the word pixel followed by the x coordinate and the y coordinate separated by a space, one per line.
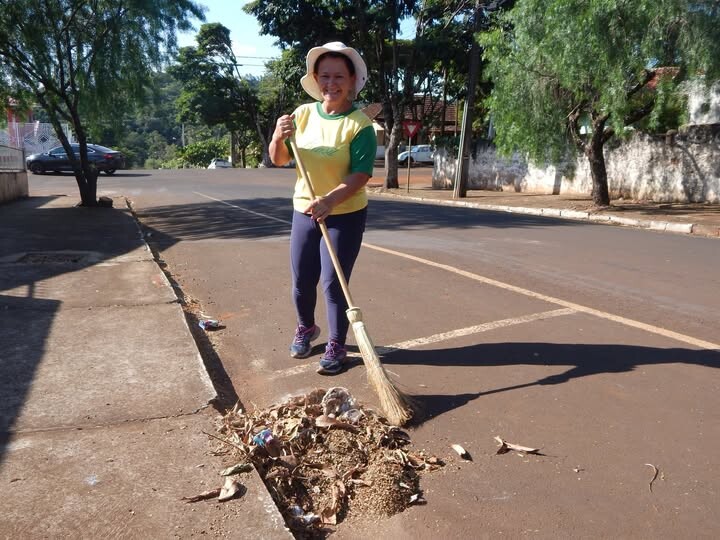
pixel 311 264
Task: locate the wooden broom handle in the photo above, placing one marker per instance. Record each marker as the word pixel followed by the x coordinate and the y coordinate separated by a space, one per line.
pixel 323 227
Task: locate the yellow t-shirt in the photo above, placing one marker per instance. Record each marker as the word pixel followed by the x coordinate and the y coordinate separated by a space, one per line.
pixel 332 147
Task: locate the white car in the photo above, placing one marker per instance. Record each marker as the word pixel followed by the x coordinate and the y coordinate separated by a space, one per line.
pixel 422 153
pixel 218 163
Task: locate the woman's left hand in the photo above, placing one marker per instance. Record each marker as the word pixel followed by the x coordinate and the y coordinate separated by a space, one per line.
pixel 319 208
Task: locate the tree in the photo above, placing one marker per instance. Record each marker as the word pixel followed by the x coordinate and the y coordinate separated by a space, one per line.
pixel 569 75
pixel 214 92
pixel 92 60
pixel 200 154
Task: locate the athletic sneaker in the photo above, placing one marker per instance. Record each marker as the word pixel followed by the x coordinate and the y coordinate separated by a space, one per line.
pixel 331 363
pixel 301 347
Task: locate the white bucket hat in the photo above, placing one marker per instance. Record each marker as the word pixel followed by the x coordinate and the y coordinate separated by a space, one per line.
pixel 309 83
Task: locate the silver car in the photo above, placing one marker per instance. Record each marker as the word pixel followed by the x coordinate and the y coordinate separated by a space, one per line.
pixel 219 163
pixel 421 153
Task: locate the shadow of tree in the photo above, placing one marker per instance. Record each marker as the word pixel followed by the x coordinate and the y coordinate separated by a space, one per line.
pixel 270 217
pixel 582 360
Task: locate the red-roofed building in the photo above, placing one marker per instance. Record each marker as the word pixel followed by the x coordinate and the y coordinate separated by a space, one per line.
pixel 428 111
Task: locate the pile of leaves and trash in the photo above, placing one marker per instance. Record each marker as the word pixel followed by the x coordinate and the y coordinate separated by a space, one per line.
pixel 325 459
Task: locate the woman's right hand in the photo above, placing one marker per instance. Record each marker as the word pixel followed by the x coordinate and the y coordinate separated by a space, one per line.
pixel 284 128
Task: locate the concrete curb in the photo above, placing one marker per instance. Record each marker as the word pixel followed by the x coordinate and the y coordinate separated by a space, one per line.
pixel 575 215
pixel 272 512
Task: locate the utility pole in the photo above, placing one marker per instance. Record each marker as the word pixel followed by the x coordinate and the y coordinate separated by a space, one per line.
pixel 461 177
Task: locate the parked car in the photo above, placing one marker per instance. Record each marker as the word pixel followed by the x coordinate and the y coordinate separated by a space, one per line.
pixel 105 159
pixel 421 153
pixel 219 163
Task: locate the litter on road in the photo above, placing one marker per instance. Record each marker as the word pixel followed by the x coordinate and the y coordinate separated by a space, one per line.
pixel 506 447
pixel 326 458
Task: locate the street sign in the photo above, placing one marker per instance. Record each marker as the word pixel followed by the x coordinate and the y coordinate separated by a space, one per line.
pixel 411 127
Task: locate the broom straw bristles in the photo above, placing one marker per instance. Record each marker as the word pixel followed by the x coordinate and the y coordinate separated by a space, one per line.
pixel 393 403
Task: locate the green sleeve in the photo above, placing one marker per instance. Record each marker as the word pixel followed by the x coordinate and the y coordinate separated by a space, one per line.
pixel 362 151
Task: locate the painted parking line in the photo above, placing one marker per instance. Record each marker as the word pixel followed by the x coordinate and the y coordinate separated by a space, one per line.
pixel 268 216
pixel 477 329
pixel 558 301
pixel 435 338
pixel 683 338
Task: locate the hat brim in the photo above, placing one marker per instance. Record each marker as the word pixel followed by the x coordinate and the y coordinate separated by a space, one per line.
pixel 309 83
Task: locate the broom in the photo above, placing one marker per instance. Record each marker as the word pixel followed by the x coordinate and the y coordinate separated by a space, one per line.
pixel 393 403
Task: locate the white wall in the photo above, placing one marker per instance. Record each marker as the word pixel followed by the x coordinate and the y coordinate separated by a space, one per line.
pixel 13 185
pixel 703 103
pixel 682 167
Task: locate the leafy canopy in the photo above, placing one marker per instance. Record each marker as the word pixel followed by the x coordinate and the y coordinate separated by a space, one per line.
pixel 556 62
pixel 86 61
pixel 92 56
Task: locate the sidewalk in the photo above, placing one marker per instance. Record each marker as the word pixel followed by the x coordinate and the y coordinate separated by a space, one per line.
pixel 103 394
pixel 686 218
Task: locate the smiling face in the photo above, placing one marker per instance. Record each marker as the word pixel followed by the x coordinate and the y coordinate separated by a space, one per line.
pixel 336 82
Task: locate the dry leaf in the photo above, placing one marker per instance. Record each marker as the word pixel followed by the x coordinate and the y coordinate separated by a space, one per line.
pixel 325 421
pixel 655 474
pixel 505 447
pixel 237 469
pixel 329 514
pixel 279 472
pixel 314 397
pixel 288 461
pixel 230 489
pixel 205 495
pixel 351 472
pixel 460 451
pixel 360 482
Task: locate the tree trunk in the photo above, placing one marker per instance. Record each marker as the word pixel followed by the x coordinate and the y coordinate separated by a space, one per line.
pixel 86 173
pixel 391 153
pixel 444 103
pixel 598 172
pixel 460 190
pixel 86 179
pixel 233 147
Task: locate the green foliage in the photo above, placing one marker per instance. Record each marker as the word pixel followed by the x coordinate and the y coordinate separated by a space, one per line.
pixel 553 62
pixel 88 60
pixel 212 90
pixel 200 154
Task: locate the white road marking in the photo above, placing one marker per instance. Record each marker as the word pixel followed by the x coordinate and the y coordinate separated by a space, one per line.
pixel 519 290
pixel 287 222
pixel 444 336
pixel 477 329
pixel 571 305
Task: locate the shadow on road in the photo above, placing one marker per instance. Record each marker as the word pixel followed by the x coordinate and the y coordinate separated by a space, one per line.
pixel 270 217
pixel 583 360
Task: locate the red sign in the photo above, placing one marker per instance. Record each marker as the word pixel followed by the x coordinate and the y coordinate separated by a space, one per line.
pixel 411 127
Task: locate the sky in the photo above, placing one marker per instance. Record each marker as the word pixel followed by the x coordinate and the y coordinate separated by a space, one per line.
pixel 247 42
pixel 244 33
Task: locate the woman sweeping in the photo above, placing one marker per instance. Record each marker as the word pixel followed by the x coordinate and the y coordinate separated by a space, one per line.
pixel 337 145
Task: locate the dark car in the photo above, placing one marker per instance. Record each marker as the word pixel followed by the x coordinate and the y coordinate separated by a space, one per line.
pixel 105 159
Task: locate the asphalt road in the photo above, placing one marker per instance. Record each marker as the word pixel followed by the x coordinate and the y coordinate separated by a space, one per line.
pixel 591 342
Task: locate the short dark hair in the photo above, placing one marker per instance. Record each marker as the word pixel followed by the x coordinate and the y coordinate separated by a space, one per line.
pixel 333 54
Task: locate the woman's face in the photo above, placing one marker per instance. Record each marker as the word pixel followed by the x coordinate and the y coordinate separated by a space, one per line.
pixel 335 81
